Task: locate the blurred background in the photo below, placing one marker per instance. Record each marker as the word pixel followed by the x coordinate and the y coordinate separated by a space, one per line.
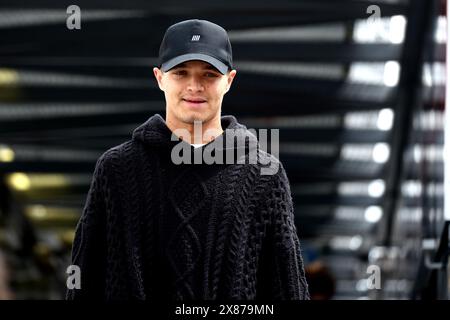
pixel 357 89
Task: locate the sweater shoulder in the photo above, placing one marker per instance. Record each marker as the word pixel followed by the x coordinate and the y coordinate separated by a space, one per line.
pixel 273 176
pixel 125 149
pixel 115 155
pixel 270 166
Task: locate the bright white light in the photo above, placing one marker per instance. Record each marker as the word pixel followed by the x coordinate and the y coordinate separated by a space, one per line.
pixel 417 153
pixel 376 188
pixel 397 26
pixel 411 188
pixel 427 76
pixel 364 32
pixel 366 72
pixel 355 243
pixel 441 30
pixel 385 119
pixel 339 243
pixel 373 214
pixel 39 211
pixel 19 181
pixel 380 152
pixel 391 73
pixel 376 253
pixel 361 285
pixel 8 77
pixel 6 154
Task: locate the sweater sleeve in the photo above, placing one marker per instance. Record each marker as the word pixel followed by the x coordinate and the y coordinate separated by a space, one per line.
pixel 89 246
pixel 281 274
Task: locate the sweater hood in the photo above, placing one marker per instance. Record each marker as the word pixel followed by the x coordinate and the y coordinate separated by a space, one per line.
pixel 154 132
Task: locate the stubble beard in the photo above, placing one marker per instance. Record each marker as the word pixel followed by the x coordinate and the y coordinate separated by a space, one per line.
pixel 191 117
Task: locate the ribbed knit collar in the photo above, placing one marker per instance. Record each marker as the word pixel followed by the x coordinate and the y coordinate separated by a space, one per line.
pixel 154 132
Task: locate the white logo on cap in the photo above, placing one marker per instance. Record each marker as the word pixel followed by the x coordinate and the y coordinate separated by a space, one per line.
pixel 195 37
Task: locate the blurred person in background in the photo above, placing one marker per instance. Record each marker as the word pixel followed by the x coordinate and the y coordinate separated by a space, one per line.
pixel 322 284
pixel 5 291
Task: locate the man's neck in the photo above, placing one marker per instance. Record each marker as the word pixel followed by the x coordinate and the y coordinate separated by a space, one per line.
pixel 199 133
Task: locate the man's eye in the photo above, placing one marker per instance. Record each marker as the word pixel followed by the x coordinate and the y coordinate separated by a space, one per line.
pixel 180 73
pixel 211 75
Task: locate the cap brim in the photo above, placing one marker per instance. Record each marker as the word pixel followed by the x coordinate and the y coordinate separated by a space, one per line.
pixel 219 65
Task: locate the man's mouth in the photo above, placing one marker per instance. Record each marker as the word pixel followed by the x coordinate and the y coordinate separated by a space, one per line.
pixel 194 100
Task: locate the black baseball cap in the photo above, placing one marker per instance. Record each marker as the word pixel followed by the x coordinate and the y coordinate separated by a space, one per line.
pixel 196 40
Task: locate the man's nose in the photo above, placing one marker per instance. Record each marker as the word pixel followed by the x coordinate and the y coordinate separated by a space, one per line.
pixel 195 84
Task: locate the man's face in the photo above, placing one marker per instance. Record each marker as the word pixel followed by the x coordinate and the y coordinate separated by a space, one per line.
pixel 194 90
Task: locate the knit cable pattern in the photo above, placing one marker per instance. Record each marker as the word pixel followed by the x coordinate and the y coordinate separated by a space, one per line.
pixel 151 229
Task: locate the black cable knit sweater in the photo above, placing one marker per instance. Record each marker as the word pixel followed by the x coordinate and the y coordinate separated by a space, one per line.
pixel 153 230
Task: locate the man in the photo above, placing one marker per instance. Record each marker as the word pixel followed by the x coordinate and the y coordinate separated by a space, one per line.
pixel 153 229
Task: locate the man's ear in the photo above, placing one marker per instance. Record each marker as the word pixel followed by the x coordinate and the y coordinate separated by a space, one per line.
pixel 158 75
pixel 230 79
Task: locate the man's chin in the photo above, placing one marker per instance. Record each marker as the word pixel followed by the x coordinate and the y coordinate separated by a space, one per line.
pixel 192 117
